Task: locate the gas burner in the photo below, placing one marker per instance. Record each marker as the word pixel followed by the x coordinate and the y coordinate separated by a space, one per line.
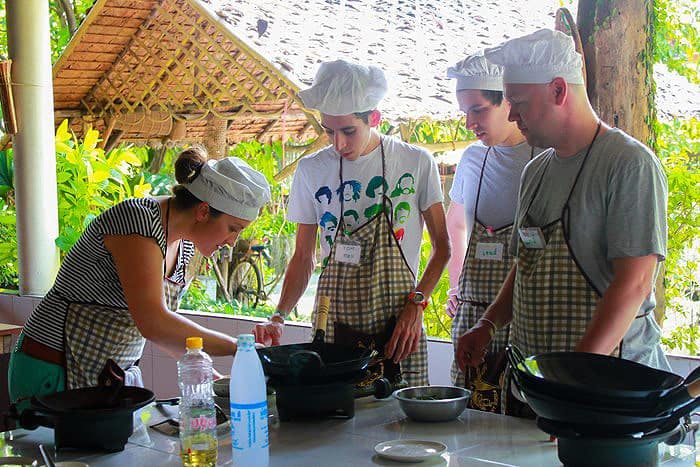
pixel 576 449
pixel 331 400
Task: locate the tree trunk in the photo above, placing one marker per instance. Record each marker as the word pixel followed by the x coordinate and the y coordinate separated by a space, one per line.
pixel 617 41
pixel 69 12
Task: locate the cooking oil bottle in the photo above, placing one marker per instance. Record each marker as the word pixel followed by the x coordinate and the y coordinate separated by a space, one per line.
pixel 199 445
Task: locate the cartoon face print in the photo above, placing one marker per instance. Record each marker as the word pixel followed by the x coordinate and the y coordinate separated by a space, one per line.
pixel 376 187
pixel 329 222
pixel 373 210
pixel 351 219
pixel 350 190
pixel 324 194
pixel 404 185
pixel 402 212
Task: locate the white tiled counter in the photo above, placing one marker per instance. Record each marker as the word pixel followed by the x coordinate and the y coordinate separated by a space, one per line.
pixel 475 439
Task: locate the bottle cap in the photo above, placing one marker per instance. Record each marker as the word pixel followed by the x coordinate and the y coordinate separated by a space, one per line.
pixel 246 341
pixel 194 343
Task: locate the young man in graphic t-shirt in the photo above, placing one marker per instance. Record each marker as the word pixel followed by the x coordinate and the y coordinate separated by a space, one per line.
pixel 361 179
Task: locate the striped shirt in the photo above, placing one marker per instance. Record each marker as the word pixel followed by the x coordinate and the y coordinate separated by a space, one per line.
pixel 88 274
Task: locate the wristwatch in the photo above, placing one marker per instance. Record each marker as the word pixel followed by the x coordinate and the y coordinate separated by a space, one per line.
pixel 418 298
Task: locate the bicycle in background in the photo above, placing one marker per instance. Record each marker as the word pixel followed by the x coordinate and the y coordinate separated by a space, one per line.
pixel 246 272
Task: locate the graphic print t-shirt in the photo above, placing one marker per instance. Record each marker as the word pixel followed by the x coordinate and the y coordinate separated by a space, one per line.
pixel 411 182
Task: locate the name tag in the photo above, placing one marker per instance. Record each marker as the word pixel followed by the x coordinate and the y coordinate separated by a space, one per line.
pixel 489 251
pixel 348 253
pixel 532 237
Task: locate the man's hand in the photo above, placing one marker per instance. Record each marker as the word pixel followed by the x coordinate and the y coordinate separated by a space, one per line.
pixel 452 303
pixel 270 332
pixel 472 346
pixel 409 326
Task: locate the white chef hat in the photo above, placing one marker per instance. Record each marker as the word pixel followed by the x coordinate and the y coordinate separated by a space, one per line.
pixel 231 186
pixel 344 88
pixel 475 72
pixel 538 58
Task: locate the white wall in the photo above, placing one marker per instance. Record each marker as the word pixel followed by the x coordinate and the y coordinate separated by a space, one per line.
pixel 159 370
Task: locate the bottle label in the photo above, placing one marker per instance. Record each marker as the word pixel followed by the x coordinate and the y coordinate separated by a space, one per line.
pixel 249 425
pixel 202 423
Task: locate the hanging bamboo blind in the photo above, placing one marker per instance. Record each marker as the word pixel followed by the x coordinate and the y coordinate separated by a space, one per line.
pixel 140 66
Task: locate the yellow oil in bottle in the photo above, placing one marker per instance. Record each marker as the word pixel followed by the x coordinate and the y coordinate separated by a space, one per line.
pixel 199 450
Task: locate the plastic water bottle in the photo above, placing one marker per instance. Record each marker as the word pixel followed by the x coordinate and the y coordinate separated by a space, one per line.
pixel 249 436
pixel 198 441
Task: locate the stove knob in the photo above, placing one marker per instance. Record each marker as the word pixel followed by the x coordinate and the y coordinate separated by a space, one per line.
pixel 382 388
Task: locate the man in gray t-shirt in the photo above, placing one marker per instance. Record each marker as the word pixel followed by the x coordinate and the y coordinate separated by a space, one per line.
pixel 590 223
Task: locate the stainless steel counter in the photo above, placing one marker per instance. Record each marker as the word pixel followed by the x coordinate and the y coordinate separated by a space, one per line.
pixel 475 439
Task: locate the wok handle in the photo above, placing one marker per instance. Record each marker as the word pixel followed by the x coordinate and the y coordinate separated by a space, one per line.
pixel 514 356
pixel 694 389
pixel 324 304
pixel 693 375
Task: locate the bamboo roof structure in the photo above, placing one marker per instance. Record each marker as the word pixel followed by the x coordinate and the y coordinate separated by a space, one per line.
pixel 153 70
pixel 186 70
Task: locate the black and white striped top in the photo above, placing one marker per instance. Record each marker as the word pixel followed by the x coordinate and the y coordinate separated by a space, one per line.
pixel 88 274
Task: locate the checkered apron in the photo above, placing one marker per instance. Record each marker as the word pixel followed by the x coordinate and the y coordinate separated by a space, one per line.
pixel 365 296
pixel 95 333
pixel 553 300
pixel 479 283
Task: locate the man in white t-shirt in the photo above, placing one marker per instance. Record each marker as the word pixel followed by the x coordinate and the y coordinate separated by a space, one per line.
pixel 480 218
pixel 367 197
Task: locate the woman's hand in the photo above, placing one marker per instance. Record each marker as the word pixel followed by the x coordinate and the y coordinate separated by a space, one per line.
pixel 472 346
pixel 270 332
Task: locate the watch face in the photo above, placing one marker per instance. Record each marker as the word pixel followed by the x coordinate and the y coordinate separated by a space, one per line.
pixel 418 297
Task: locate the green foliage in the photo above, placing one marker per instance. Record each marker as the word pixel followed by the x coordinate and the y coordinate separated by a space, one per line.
pixel 197 299
pixel 59 32
pixel 677 36
pixel 267 158
pixel 6 172
pixel 8 246
pixel 90 181
pixel 437 323
pixel 678 147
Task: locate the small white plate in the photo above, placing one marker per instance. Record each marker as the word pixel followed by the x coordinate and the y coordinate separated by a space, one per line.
pixel 409 450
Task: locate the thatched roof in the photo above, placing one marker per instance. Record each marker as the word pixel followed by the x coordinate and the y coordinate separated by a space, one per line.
pixel 413 41
pixel 152 68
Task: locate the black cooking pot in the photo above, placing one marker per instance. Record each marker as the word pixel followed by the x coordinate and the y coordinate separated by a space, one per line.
pixel 593 419
pixel 316 362
pixel 575 449
pixel 591 415
pixel 313 363
pixel 87 418
pixel 594 375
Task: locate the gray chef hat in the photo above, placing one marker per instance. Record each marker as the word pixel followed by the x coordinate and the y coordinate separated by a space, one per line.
pixel 343 88
pixel 231 186
pixel 475 72
pixel 538 58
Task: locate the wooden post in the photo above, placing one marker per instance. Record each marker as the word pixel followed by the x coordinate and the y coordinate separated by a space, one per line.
pixel 215 138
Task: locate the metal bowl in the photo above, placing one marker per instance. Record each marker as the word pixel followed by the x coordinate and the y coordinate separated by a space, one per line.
pixel 432 403
pixel 221 386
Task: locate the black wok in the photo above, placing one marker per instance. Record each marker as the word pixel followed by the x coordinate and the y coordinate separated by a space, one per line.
pixel 646 407
pixel 87 418
pixel 315 362
pixel 309 363
pixel 590 419
pixel 593 375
